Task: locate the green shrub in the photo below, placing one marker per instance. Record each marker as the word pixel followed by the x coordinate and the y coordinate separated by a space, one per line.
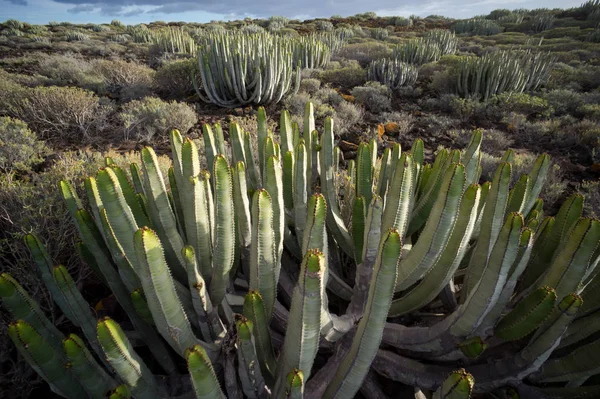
pixel 70 70
pixel 522 103
pixel 374 96
pixel 19 147
pixel 125 80
pixel 323 25
pixel 174 81
pixel 345 78
pixel 64 113
pixel 401 21
pixel 310 85
pixel 151 116
pixel 380 33
pixel 563 101
pixel 251 29
pixel 590 111
pixel 542 22
pixel 76 36
pixel 477 26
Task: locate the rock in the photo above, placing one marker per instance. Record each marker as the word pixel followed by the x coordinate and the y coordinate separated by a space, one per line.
pixel 347 146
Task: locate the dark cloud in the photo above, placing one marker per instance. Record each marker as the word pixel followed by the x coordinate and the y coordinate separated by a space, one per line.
pixel 18 2
pixel 263 8
pixel 82 8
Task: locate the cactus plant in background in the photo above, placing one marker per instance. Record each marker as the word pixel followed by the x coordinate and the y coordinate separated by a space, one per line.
pixel 542 22
pixel 233 70
pixel 172 39
pixel 431 47
pixel 258 279
pixel 477 26
pixel 393 73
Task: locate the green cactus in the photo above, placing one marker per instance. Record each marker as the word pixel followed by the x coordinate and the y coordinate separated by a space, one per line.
pixel 267 235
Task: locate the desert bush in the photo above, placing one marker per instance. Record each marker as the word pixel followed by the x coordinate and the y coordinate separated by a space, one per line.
pixel 591 190
pixel 365 52
pixel 328 95
pixel 13 23
pixel 173 79
pixel 118 38
pixel 310 85
pixel 523 103
pixel 346 78
pixel 590 111
pixel 374 96
pixel 62 113
pixel 19 147
pixel 563 101
pixel 495 142
pixel 125 80
pixel 251 29
pixel 477 26
pixel 12 32
pixel 401 21
pixel 36 29
pixel 117 23
pixel 396 123
pixel 499 13
pixel 380 33
pixel 144 119
pixel 100 28
pixel 70 70
pixel 76 36
pixel 346 116
pixel 323 25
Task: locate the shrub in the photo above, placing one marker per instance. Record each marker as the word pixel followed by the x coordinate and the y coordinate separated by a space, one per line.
pixel 251 29
pixel 310 85
pixel 76 36
pixel 396 123
pixel 125 80
pixel 324 25
pixel 100 28
pixel 563 101
pixel 117 23
pixel 477 26
pixel 522 103
pixel 380 33
pixel 70 70
pixel 365 52
pixel 173 79
pixel 401 21
pixel 347 115
pixel 591 190
pixel 19 147
pixel 374 96
pixel 151 116
pixel 65 113
pixel 346 78
pixel 495 142
pixel 542 22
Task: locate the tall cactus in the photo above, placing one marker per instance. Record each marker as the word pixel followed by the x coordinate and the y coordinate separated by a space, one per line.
pixel 267 292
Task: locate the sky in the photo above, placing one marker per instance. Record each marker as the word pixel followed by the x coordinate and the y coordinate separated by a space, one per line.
pixel 138 11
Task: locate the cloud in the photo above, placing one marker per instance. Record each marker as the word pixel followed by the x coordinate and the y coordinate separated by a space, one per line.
pixel 18 2
pixel 81 9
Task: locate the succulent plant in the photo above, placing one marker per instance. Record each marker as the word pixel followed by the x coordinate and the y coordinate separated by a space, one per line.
pixel 263 282
pixel 477 26
pixel 393 73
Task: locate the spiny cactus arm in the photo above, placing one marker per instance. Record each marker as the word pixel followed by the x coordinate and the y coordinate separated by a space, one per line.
pixel 538 175
pixel 136 178
pixel 197 196
pixel 302 335
pixel 527 316
pixel 427 191
pixel 359 214
pixel 45 360
pixel 300 190
pixel 440 274
pixel 254 310
pixel 286 132
pixel 77 310
pixel 224 230
pixel 210 324
pixel 242 208
pixel 328 167
pixel 91 187
pixel 364 270
pixel 140 303
pixel 295 385
pixel 252 169
pixel 167 311
pixel 261 129
pixel 119 283
pixel 128 365
pixel 308 127
pixel 399 201
pixel 129 194
pixel 383 177
pixel 356 363
pixel 90 374
pixel 22 307
pixel 523 255
pixel 365 170
pixel 573 259
pixel 289 166
pixel 580 329
pixel 437 231
pixel 458 385
pixel 238 152
pixel 205 382
pixel 70 197
pixel 491 224
pixel 253 383
pixel 274 186
pixel 418 151
pixel 263 251
pixel 485 295
pixel 210 144
pixel 315 159
pixel 472 157
pixel 120 392
pixel 517 196
pixel 117 210
pixel 535 268
pixel 162 213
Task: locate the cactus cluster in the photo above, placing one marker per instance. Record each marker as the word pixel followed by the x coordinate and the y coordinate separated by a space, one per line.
pixel 240 69
pixel 542 22
pixel 477 26
pixel 252 272
pixel 172 39
pixel 76 36
pixel 505 71
pixel 429 48
pixel 393 73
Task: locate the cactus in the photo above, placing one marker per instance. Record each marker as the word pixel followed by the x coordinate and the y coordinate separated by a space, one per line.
pixel 76 36
pixel 477 26
pixel 268 294
pixel 542 22
pixel 233 71
pixel 393 73
pixel 170 40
